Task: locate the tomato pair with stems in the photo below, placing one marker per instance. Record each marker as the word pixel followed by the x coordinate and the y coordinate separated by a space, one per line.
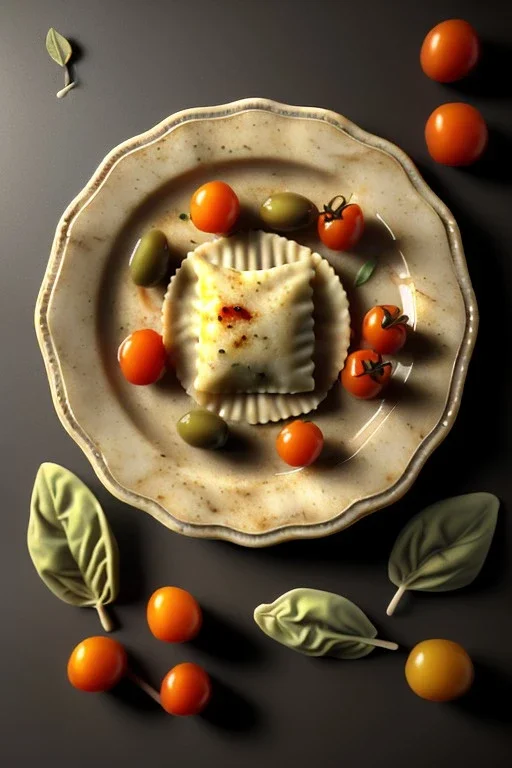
pixel 174 616
pixel 384 330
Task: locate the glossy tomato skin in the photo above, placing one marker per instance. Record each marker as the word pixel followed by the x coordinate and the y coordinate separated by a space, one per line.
pixel 186 690
pixel 456 134
pixel 300 443
pixel 174 615
pixel 142 357
pixel 341 233
pixel 385 340
pixel 450 51
pixel 361 384
pixel 214 208
pixel 97 664
pixel 439 670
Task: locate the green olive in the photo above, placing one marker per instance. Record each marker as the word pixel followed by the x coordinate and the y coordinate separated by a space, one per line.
pixel 150 259
pixel 286 211
pixel 203 429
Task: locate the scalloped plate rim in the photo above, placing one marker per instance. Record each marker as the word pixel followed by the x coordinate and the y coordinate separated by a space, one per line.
pixel 360 508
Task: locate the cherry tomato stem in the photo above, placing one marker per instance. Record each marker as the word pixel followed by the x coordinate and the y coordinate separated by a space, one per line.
pixel 341 224
pixel 365 374
pixel 144 686
pixel 385 329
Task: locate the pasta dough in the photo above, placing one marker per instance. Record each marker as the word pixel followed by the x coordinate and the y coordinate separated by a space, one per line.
pixel 245 252
pixel 256 329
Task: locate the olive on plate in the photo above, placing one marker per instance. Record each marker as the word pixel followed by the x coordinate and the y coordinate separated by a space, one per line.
pixel 286 211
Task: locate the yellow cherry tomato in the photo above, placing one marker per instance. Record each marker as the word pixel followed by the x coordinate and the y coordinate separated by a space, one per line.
pixel 439 670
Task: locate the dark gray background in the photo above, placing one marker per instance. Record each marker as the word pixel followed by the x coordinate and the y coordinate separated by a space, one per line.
pixel 141 61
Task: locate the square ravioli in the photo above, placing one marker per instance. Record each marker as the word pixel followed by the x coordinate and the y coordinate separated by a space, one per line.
pixel 256 328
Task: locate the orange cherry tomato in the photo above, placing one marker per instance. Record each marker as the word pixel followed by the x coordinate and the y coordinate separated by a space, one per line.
pixel 340 228
pixel 142 357
pixel 186 690
pixel 456 134
pixel 365 374
pixel 300 443
pixel 450 51
pixel 97 664
pixel 174 615
pixel 439 670
pixel 214 207
pixel 384 328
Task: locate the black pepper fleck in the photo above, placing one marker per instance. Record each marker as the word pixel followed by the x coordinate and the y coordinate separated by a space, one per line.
pixel 222 351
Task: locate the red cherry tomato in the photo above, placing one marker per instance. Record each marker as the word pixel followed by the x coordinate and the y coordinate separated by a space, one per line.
pixel 174 615
pixel 340 228
pixel 214 207
pixel 450 51
pixel 142 357
pixel 186 690
pixel 300 443
pixel 365 374
pixel 385 330
pixel 97 664
pixel 456 134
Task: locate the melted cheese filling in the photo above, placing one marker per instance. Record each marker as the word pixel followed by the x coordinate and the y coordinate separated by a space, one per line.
pixel 256 331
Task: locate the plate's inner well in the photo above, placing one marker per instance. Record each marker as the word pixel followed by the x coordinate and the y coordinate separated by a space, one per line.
pixel 246 486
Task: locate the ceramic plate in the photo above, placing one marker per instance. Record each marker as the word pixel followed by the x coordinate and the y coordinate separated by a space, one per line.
pixel 87 305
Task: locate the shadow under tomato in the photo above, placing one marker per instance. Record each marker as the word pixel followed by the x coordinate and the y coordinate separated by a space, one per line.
pixel 129 694
pixel 490 695
pixel 240 448
pixel 420 347
pixel 221 638
pixel 492 165
pixel 230 711
pixel 487 80
pixel 333 454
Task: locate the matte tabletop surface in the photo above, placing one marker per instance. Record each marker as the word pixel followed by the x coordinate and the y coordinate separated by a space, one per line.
pixel 138 63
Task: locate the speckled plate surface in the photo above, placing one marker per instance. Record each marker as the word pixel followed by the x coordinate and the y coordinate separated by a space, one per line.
pixel 87 304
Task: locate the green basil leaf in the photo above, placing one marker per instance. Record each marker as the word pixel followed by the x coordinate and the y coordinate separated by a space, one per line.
pixel 319 623
pixel 365 272
pixel 58 47
pixel 444 546
pixel 70 541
